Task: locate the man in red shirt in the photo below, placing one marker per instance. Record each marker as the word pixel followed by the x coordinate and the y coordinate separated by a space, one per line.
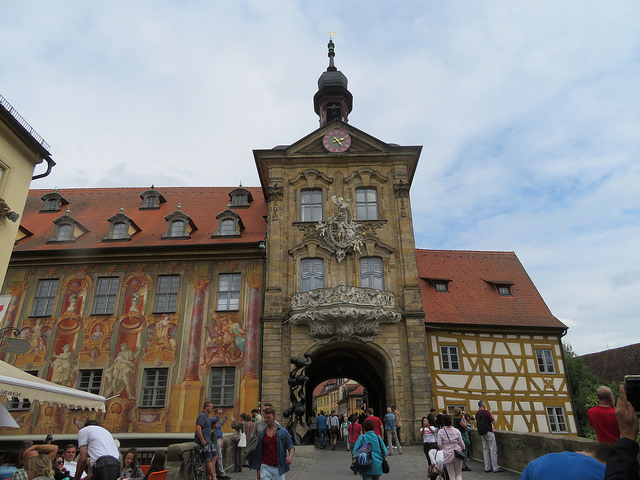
pixel 602 417
pixel 378 429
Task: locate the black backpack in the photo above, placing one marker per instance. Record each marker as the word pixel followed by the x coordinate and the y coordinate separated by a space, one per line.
pixel 482 420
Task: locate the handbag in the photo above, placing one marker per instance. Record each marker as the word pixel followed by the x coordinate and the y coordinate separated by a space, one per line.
pixel 385 464
pixel 243 440
pixel 433 471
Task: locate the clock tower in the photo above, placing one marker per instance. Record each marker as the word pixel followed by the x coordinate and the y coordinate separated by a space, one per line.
pixel 341 275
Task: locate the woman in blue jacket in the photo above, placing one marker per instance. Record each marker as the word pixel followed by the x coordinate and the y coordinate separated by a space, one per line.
pixel 378 451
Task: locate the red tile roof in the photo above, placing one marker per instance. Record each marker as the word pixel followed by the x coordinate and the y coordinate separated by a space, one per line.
pixel 472 298
pixel 91 207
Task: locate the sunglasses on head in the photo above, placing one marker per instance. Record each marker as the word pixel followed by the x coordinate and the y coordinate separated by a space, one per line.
pixel 59 462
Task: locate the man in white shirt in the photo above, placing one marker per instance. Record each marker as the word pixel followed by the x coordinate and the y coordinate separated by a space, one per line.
pixel 97 448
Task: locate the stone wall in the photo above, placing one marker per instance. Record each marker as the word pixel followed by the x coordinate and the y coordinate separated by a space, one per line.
pixel 516 450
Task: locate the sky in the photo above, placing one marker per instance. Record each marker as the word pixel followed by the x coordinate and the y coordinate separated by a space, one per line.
pixel 528 113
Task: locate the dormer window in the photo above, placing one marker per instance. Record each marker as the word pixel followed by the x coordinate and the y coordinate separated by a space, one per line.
pixel 179 226
pixel 503 287
pixel 53 202
pixel 121 228
pixel 229 224
pixel 119 231
pixel 240 198
pixel 440 285
pixel 504 290
pixel 151 199
pixel 66 230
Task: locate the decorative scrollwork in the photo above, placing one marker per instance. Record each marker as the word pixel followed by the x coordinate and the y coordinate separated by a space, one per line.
pixel 340 233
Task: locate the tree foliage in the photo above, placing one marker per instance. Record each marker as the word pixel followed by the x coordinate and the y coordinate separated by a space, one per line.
pixel 583 383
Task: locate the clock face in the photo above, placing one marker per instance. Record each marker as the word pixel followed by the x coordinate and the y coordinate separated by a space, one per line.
pixel 336 140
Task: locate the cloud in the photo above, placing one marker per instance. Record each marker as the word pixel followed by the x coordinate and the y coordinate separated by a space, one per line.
pixel 528 115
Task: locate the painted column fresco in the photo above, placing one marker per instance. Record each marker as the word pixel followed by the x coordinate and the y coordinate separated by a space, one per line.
pixel 195 333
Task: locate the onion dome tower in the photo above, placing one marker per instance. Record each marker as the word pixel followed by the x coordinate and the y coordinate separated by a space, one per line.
pixel 332 100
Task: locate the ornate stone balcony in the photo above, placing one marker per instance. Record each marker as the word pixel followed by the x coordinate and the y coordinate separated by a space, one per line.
pixel 343 313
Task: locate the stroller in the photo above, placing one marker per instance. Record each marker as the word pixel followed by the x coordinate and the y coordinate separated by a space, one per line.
pixel 437 470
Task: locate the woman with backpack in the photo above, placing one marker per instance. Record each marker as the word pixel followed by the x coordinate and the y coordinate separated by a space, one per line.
pixel 378 452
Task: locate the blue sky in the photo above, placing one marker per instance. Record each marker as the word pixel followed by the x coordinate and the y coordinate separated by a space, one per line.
pixel 528 113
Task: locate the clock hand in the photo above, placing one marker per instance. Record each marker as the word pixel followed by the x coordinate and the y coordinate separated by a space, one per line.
pixel 336 139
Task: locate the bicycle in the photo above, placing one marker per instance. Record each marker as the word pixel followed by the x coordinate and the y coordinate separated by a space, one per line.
pixel 193 467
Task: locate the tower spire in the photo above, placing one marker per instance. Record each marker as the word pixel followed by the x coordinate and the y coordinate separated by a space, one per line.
pixel 332 101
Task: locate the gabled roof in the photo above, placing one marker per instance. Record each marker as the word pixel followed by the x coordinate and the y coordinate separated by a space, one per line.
pixel 472 298
pixel 92 207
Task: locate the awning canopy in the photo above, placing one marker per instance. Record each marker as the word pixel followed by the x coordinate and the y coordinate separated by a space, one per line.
pixel 17 383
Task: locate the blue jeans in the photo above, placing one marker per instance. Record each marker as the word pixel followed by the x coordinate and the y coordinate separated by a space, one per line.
pixel 323 437
pixel 268 472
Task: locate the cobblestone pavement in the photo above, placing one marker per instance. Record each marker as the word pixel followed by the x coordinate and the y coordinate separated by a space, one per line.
pixel 334 465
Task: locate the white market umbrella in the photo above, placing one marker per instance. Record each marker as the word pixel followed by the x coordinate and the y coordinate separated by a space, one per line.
pixel 17 383
pixel 6 420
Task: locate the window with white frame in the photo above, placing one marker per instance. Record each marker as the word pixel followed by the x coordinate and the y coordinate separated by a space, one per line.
pixel 222 386
pixel 371 273
pixel 105 299
pixel 229 291
pixel 154 387
pixel 46 291
pixel 177 228
pixel 89 381
pixel 557 420
pixel 311 205
pixel 449 357
pixel 167 293
pixel 545 361
pixel 311 274
pixel 366 204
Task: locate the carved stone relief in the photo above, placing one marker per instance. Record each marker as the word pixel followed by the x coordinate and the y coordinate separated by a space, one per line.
pixel 343 313
pixel 340 233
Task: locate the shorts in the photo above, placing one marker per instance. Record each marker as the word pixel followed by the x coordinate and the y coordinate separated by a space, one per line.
pixel 209 452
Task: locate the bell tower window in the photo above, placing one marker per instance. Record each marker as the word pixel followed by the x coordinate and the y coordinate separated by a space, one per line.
pixel 334 111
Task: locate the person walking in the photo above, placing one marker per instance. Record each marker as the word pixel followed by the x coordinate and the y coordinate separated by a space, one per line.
pixel 378 451
pixel 334 428
pixel 354 429
pixel 322 428
pixel 274 451
pixel 390 432
pixel 484 422
pixel 344 430
pixel 450 440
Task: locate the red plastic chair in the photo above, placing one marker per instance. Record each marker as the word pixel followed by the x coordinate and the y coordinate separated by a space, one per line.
pixel 144 468
pixel 161 475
